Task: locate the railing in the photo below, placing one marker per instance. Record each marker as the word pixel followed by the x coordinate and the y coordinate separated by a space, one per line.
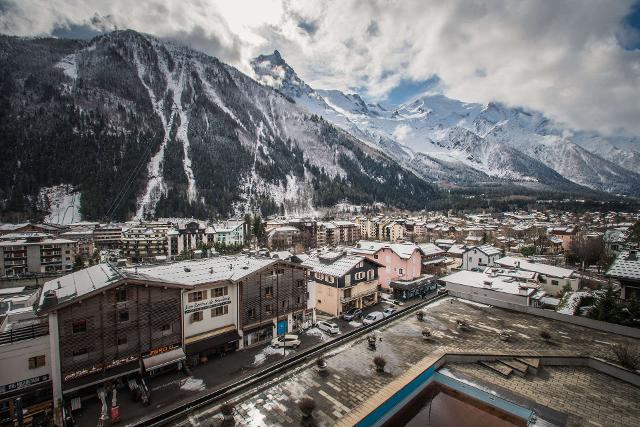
pixel 24 333
pixel 171 414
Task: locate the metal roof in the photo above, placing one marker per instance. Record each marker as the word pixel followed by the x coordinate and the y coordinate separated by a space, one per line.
pixel 625 266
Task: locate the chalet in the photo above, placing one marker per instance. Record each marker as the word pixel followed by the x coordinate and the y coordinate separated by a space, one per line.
pixel 491 288
pixel 626 269
pixel 552 279
pixel 401 261
pixel 480 257
pixel 343 281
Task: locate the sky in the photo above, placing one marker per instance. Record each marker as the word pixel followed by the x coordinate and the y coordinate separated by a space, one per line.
pixel 578 61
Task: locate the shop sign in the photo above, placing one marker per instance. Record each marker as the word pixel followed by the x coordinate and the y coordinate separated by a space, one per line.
pixel 19 385
pixel 206 304
pixel 160 350
pixel 99 367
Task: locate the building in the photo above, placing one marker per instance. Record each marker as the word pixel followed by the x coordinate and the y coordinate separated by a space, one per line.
pixel 107 236
pixel 480 257
pixel 145 241
pixel 434 259
pixel 343 281
pixel 402 261
pixel 26 364
pixel 326 234
pixel 230 233
pixel 35 253
pixel 284 237
pixel 188 236
pixel 551 278
pixel 626 269
pixel 28 227
pixel 347 232
pixel 491 288
pixel 84 238
pixel 106 323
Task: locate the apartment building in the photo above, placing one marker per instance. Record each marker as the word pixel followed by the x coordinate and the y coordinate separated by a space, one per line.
pixel 343 281
pixel 36 253
pixel 230 233
pixel 107 236
pixel 145 241
pixel 401 261
pixel 188 236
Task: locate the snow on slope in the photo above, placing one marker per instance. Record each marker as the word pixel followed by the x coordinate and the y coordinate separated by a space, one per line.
pixel 504 143
pixel 62 202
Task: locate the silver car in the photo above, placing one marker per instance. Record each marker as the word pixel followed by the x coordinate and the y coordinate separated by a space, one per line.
pixel 328 327
pixel 288 340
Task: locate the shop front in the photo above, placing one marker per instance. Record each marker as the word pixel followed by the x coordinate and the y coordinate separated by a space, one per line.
pixel 258 334
pixel 216 343
pixel 163 359
pixel 407 289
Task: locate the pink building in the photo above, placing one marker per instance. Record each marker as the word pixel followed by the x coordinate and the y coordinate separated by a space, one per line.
pixel 401 261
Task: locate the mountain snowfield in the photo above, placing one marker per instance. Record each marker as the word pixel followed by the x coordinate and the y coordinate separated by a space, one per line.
pixel 450 141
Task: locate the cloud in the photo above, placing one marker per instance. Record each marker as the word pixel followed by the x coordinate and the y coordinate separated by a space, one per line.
pixel 574 60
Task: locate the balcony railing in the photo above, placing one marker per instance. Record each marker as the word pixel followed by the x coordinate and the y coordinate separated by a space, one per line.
pixel 24 333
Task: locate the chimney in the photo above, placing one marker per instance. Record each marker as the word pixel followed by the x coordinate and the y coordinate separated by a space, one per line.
pixel 633 255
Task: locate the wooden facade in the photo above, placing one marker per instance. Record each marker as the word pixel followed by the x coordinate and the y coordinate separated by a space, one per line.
pixel 273 292
pixel 115 328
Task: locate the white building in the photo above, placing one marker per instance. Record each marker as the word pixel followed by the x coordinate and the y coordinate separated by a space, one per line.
pixel 490 288
pixel 551 278
pixel 480 257
pixel 230 233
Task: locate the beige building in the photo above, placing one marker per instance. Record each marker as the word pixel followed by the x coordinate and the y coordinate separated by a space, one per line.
pixel 35 253
pixel 145 241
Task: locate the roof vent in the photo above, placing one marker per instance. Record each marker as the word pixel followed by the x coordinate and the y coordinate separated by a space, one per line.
pixel 633 256
pixel 50 299
pixel 187 270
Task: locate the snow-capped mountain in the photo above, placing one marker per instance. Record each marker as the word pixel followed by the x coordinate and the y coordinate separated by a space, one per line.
pixel 140 127
pixel 435 135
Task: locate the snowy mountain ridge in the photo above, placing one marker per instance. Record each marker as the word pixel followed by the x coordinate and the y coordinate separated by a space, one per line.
pixel 497 141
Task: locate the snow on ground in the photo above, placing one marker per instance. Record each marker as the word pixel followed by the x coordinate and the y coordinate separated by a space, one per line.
pixel 477 304
pixel 69 66
pixel 447 372
pixel 318 333
pixel 193 384
pixel 570 303
pixel 62 203
pixel 355 324
pixel 269 351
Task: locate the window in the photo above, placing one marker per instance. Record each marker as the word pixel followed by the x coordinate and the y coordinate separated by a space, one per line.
pixel 285 304
pixel 218 292
pixel 123 316
pixel 79 326
pixel 268 291
pixel 330 279
pixel 360 264
pixel 251 313
pixel 268 308
pixel 347 293
pixel 555 283
pixel 299 283
pixel 279 271
pixel 318 275
pixel 197 316
pixel 360 275
pixel 166 327
pixel 121 294
pixel 298 300
pixel 401 271
pixel 122 340
pixel 36 362
pixel 220 311
pixel 197 296
pixel 375 256
pixel 370 274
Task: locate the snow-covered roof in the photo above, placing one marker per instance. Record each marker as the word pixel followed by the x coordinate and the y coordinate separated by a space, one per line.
pixel 429 249
pixel 486 249
pixel 625 266
pixel 26 242
pixel 516 274
pixel 523 264
pixel 207 270
pixel 337 268
pixel 457 249
pixel 481 280
pixel 403 250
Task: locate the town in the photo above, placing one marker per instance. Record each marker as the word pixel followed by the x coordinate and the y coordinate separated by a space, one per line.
pixel 119 322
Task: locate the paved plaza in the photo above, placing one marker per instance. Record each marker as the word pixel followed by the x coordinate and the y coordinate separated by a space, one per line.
pixel 351 378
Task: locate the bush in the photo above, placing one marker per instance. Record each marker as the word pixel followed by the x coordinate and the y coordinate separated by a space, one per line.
pixel 307 405
pixel 627 356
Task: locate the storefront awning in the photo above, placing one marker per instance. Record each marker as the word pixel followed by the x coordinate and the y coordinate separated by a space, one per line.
pixel 212 342
pixel 163 359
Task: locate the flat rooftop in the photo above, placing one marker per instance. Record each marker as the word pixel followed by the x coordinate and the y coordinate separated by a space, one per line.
pixel 581 394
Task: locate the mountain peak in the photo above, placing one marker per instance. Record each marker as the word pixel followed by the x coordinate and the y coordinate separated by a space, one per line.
pixel 272 70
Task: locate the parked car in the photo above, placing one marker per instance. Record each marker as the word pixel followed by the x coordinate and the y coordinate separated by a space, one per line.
pixel 288 340
pixel 372 317
pixel 328 327
pixel 352 314
pixel 388 312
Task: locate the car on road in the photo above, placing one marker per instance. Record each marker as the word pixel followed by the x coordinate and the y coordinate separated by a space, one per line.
pixel 328 327
pixel 373 317
pixel 388 311
pixel 288 340
pixel 352 314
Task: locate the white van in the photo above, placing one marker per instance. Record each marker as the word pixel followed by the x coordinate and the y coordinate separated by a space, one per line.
pixel 373 317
